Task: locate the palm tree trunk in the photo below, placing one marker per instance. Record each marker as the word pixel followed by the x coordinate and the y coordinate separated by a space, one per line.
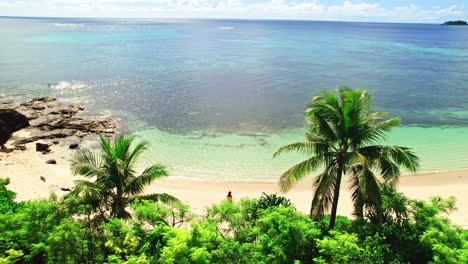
pixel 336 195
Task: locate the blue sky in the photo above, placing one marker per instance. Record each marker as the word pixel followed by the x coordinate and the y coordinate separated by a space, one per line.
pixel 426 11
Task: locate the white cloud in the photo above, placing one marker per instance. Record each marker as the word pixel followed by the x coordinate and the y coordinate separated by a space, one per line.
pixel 267 9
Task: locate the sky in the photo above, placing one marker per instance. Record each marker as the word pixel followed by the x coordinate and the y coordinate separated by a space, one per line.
pixel 422 11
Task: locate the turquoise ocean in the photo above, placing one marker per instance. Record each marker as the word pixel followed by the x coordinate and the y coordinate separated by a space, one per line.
pixel 216 98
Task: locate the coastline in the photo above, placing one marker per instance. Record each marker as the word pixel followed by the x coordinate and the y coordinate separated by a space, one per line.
pixel 33 178
pixel 24 169
pixel 200 194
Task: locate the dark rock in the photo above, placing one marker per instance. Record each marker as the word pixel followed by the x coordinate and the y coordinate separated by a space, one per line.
pixel 73 146
pixel 42 178
pixel 56 142
pixel 6 150
pixel 26 103
pixel 64 133
pixel 52 161
pixel 32 115
pixel 38 107
pixel 65 189
pixel 68 112
pixel 45 99
pixel 42 147
pixel 20 147
pixel 10 122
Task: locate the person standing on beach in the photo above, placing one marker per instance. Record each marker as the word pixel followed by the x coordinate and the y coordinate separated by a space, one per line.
pixel 229 196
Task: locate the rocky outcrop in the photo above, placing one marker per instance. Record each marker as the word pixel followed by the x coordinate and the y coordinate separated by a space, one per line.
pixel 74 146
pixel 42 147
pixel 48 118
pixel 10 122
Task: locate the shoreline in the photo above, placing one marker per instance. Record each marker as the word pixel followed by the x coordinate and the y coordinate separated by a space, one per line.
pixel 200 194
pixel 24 169
pixel 32 178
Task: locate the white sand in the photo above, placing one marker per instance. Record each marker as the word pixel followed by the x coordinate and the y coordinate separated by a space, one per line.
pixel 24 169
pixel 201 194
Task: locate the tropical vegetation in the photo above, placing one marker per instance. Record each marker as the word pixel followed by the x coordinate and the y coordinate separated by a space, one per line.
pixel 344 138
pixel 111 183
pixel 455 23
pixel 107 218
pixel 247 231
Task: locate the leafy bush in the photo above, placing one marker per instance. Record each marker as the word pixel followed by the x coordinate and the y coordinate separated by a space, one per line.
pixel 267 230
pixel 7 197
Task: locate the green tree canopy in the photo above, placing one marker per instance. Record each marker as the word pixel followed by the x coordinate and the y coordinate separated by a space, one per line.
pixel 112 183
pixel 344 137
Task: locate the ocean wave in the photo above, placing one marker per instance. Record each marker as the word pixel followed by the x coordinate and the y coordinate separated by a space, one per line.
pixel 226 28
pixel 62 86
pixel 67 25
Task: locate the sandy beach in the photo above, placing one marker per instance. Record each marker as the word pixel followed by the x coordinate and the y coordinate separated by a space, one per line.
pixel 24 168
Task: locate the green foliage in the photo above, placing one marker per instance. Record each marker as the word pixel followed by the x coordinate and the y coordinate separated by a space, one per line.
pixel 49 231
pixel 228 234
pixel 265 230
pixel 122 241
pixel 455 23
pixel 343 138
pixel 272 200
pixel 7 197
pixel 173 213
pixel 113 184
pixel 42 230
pixel 13 256
pixel 153 243
pixel 67 241
pixel 283 236
pixel 446 241
pixel 339 248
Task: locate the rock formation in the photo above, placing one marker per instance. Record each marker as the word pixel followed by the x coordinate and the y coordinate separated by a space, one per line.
pixel 10 122
pixel 47 119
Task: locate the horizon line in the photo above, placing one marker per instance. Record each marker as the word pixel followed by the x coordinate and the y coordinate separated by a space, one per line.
pixel 235 19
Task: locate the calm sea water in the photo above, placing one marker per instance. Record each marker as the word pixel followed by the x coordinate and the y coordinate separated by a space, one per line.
pixel 216 97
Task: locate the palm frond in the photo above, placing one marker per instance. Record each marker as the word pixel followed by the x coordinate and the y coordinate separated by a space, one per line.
pixel 365 187
pixel 86 163
pixel 135 153
pixel 379 131
pixel 89 193
pixel 122 146
pixel 404 157
pixel 301 147
pixel 326 129
pixel 324 115
pixel 136 185
pixel 324 186
pixel 389 170
pixel 106 146
pixel 356 196
pixel 291 176
pixel 377 116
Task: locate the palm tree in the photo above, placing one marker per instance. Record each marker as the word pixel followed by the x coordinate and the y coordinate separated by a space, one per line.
pixel 112 184
pixel 343 138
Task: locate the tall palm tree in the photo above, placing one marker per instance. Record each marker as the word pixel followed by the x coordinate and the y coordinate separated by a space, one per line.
pixel 112 183
pixel 343 138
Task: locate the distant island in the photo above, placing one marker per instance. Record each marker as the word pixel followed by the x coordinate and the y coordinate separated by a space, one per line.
pixel 456 23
